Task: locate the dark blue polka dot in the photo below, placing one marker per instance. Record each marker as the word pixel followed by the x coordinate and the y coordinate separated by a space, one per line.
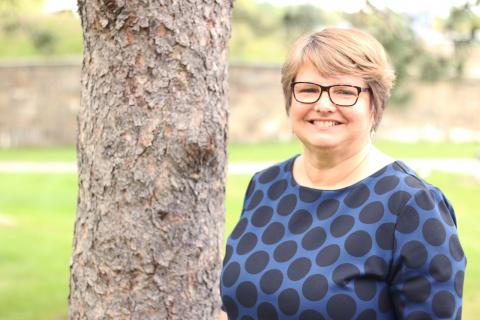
pixel 328 255
pixel 357 196
pixel 314 238
pixel 300 221
pixel 414 254
pixel 277 189
pixel 458 282
pixel 228 254
pixel 372 212
pixel 341 307
pixel 310 314
pixel 255 199
pixel 384 236
pixel 298 268
pixel 443 304
pixel 365 289
pixel 239 228
pixel 455 248
pixel 419 315
pixel 424 200
pixel 440 268
pixel 309 195
pixel 250 188
pixel 384 304
pixel 285 251
pixel 327 208
pixel 271 281
pixel 289 301
pixel 414 182
pixel 368 314
pixel 286 205
pixel 376 267
pixel 315 287
pixel 230 306
pixel 267 311
pixel 231 273
pixel 445 213
pixel 341 225
pixel 257 262
pixel 434 232
pixel 262 216
pixel 344 273
pixel 246 243
pixel 269 175
pixel 417 289
pixel 358 244
pixel 386 184
pixel 273 233
pixel 408 220
pixel 247 294
pixel 397 201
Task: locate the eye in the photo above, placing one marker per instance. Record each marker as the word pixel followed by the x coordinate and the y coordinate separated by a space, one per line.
pixel 308 90
pixel 345 91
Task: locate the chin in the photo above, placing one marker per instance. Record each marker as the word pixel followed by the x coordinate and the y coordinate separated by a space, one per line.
pixel 320 143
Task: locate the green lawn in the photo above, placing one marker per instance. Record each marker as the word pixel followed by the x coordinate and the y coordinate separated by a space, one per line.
pixel 36 243
pixel 273 151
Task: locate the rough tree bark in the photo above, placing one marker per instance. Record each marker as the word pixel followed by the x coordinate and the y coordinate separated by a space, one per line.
pixel 151 158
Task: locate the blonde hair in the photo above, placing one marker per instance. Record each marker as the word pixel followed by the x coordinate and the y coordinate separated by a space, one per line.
pixel 335 51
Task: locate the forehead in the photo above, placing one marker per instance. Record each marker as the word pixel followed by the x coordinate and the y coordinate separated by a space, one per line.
pixel 309 73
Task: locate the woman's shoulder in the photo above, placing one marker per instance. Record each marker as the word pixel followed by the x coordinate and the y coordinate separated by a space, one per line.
pixel 420 194
pixel 274 171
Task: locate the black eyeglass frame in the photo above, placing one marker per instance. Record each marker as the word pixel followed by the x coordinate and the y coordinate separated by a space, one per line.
pixel 327 88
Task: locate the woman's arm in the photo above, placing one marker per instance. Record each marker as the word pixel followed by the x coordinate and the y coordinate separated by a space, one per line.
pixel 428 261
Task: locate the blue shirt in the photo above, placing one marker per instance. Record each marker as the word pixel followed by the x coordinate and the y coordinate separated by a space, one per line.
pixel 385 247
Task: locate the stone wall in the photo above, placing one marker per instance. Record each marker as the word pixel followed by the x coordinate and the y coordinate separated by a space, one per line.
pixel 39 102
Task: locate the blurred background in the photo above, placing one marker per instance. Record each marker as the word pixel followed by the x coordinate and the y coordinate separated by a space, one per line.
pixel 432 121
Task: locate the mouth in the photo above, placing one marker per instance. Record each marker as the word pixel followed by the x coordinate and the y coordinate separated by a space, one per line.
pixel 323 123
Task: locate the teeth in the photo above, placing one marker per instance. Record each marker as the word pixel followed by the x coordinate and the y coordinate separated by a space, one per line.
pixel 318 123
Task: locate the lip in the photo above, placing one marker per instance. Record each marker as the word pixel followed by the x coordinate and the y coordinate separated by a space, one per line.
pixel 323 128
pixel 323 119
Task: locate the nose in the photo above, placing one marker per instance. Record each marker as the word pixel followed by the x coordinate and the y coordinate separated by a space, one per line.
pixel 324 104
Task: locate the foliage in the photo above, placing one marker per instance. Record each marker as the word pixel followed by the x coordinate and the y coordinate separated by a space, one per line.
pixel 463 25
pixel 262 33
pixel 25 32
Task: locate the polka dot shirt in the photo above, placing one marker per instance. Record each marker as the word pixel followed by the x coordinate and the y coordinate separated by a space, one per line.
pixel 385 247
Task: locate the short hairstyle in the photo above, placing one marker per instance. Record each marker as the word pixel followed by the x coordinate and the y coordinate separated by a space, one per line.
pixel 335 51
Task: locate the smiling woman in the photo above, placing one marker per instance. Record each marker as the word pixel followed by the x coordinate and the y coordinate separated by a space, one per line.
pixel 341 231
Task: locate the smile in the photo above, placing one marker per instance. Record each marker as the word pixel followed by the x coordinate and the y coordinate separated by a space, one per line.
pixel 324 124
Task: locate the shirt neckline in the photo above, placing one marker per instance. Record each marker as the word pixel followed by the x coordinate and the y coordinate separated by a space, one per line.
pixel 353 185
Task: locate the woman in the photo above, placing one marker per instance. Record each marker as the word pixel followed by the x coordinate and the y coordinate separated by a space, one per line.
pixel 342 231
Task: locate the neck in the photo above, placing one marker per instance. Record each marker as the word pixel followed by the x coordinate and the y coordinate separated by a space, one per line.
pixel 335 169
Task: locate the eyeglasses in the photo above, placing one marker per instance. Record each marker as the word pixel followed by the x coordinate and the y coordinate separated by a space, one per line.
pixel 341 95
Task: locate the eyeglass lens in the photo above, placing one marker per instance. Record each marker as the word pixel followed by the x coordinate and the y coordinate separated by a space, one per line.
pixel 310 93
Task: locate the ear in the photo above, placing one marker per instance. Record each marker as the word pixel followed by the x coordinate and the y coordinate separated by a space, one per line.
pixel 372 117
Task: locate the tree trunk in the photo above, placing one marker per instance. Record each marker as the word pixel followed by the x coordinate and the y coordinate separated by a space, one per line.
pixel 151 158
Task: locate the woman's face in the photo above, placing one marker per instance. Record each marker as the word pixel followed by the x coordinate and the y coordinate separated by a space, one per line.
pixel 324 125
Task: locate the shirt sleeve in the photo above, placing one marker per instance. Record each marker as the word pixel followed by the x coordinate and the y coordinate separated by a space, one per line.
pixel 248 194
pixel 428 264
pixel 246 200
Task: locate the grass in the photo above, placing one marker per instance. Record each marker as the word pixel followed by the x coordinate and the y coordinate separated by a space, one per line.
pixel 38 154
pixel 270 151
pixel 35 250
